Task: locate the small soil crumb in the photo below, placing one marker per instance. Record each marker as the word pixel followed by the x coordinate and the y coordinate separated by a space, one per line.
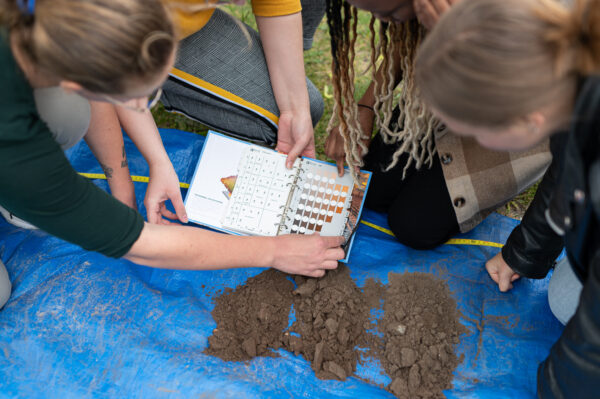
pixel 251 318
pixel 331 314
pixel 421 327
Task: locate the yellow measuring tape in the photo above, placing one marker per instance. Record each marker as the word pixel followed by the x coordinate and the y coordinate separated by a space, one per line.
pixel 452 241
pixel 141 179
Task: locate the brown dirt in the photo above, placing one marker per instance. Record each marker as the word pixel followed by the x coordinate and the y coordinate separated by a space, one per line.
pixel 415 344
pixel 420 326
pixel 331 319
pixel 251 318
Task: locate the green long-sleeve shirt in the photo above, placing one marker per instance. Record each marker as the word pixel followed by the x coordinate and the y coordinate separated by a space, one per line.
pixel 39 185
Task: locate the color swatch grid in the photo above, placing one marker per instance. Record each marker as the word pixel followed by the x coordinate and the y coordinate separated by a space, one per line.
pixel 320 199
pixel 260 194
pixel 269 199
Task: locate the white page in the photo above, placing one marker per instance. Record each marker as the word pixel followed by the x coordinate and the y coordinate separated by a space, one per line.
pixel 261 192
pixel 208 198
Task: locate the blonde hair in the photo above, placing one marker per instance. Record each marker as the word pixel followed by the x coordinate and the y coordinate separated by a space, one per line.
pixel 413 131
pixel 490 63
pixel 103 45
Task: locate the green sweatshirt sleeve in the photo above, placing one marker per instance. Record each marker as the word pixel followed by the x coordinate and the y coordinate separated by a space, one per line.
pixel 39 185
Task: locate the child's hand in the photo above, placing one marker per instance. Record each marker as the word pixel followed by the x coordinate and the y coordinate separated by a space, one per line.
pixel 163 186
pixel 501 273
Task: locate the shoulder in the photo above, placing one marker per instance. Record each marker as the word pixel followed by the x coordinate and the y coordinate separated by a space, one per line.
pixel 16 97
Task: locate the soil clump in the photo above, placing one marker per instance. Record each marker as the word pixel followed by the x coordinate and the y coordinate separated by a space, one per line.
pixel 332 317
pixel 421 327
pixel 251 319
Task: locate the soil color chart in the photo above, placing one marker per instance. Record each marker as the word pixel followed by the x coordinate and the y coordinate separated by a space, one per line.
pixel 243 188
pixel 269 199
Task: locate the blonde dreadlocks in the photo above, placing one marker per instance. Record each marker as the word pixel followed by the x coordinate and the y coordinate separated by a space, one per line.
pixel 413 131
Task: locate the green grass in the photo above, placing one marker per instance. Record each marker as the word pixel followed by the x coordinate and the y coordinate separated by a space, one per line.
pixel 317 63
pixel 517 206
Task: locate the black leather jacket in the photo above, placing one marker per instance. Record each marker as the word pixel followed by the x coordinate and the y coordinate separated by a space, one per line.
pixel 566 213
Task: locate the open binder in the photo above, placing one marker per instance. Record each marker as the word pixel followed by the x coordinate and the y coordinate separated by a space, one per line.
pixel 243 188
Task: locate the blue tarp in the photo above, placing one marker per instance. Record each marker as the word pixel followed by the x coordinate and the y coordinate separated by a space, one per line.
pixel 80 325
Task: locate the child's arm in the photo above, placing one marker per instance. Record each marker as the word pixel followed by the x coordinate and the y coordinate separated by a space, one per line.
pixel 164 183
pixel 105 139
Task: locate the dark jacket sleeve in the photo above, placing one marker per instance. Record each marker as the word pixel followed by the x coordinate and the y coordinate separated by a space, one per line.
pixel 533 246
pixel 572 370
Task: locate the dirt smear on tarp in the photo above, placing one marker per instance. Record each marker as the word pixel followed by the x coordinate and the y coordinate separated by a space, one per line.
pixel 414 340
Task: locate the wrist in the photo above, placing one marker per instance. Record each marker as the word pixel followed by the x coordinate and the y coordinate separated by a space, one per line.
pixel 268 250
pixel 366 106
pixel 295 111
pixel 121 180
pixel 159 161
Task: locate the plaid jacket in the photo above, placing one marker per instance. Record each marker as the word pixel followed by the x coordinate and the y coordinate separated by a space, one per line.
pixel 481 180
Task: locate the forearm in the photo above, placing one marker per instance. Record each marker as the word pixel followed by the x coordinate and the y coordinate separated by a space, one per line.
pixel 533 246
pixel 183 247
pixel 281 38
pixel 105 139
pixel 142 130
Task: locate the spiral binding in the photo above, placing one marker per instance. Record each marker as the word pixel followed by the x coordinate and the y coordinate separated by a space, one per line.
pixel 292 184
pixel 284 215
pixel 281 215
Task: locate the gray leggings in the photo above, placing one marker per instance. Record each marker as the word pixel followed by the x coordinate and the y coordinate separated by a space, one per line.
pixel 68 118
pixel 223 82
pixel 564 291
pixel 5 285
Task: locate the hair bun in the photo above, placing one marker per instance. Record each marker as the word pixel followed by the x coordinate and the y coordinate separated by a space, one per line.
pixel 586 28
pixel 574 34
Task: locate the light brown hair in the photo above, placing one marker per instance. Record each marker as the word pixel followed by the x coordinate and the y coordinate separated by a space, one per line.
pixel 104 45
pixel 413 131
pixel 491 63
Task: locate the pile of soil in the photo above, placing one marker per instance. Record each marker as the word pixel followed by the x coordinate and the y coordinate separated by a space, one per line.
pixel 331 321
pixel 415 340
pixel 251 319
pixel 421 326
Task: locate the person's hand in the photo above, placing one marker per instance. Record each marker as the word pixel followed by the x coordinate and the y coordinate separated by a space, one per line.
pixel 163 186
pixel 334 144
pixel 307 255
pixel 430 11
pixel 295 136
pixel 501 273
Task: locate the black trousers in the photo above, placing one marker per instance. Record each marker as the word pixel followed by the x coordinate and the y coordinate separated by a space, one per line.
pixel 419 208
